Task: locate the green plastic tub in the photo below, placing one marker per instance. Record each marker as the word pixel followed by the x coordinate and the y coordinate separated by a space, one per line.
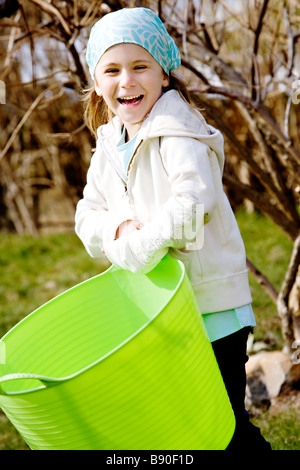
pixel 119 362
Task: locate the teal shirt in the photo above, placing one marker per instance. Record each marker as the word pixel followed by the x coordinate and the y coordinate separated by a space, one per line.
pixel 125 151
pixel 219 324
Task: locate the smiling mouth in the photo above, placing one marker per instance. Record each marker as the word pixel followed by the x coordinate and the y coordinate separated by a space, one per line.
pixel 130 99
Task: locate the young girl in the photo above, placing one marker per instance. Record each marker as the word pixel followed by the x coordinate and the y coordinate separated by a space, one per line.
pixel 156 163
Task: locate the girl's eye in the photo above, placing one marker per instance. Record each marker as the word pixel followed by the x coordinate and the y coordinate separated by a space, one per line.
pixel 110 71
pixel 140 67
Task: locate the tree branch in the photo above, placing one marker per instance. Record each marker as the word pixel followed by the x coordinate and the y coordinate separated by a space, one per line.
pixel 54 12
pixel 263 281
pixel 254 70
pixel 263 204
pixel 258 108
pixel 283 296
pixel 25 118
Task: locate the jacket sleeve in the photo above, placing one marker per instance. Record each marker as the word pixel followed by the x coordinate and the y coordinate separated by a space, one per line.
pixel 95 225
pixel 181 220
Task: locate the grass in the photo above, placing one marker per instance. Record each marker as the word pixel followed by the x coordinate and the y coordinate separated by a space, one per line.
pixel 269 249
pixel 280 426
pixel 34 270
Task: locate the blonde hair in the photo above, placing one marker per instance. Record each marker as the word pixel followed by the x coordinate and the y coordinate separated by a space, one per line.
pixel 97 113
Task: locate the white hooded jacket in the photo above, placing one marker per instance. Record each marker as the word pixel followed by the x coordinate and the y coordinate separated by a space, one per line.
pixel 174 189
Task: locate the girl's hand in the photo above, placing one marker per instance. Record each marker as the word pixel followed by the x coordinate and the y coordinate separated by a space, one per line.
pixel 126 228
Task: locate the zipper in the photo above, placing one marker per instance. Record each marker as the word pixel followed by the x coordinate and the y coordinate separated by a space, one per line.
pixel 128 169
pixel 126 194
pixel 132 157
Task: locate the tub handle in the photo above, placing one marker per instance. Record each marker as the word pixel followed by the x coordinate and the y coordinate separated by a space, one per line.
pixel 47 381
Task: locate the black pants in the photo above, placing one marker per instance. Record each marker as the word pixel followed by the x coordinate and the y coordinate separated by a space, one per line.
pixel 231 356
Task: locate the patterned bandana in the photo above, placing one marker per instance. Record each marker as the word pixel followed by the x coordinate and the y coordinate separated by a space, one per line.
pixel 139 26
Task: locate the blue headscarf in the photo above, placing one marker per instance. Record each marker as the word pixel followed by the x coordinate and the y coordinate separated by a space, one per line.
pixel 139 26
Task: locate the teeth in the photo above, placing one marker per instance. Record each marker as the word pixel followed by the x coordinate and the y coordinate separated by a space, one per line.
pixel 129 98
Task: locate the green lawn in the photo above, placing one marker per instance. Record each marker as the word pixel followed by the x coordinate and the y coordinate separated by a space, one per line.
pixel 34 270
pixel 269 249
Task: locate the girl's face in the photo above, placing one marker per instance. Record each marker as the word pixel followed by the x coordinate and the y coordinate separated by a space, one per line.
pixel 130 81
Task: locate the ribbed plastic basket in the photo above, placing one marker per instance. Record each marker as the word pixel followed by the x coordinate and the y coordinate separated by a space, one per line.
pixel 119 362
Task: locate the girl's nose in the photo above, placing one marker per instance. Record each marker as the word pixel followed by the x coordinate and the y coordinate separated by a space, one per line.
pixel 127 79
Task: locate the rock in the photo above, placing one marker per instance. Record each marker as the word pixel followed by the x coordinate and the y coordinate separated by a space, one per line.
pixel 267 375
